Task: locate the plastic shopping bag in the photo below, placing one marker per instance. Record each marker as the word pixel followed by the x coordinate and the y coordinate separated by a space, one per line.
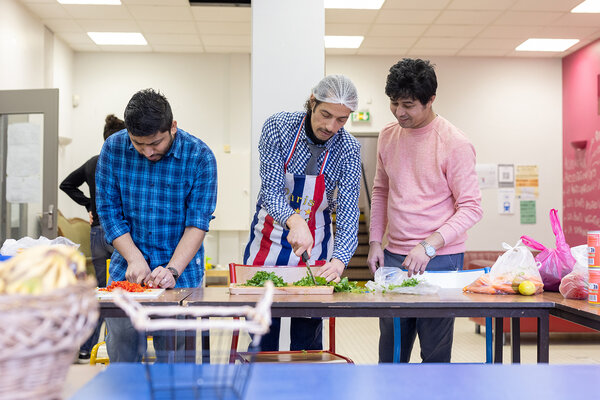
pixel 575 284
pixel 555 263
pixel 11 247
pixel 391 280
pixel 510 269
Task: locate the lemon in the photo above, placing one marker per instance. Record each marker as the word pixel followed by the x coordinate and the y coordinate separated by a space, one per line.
pixel 526 288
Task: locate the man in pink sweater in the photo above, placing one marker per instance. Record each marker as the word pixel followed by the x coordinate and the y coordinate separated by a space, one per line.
pixel 427 196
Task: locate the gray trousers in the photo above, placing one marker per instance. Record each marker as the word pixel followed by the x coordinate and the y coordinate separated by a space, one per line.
pixel 435 334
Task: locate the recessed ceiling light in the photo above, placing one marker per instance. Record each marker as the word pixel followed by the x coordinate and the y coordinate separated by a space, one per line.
pixel 359 4
pixel 588 6
pixel 92 2
pixel 118 38
pixel 546 44
pixel 343 42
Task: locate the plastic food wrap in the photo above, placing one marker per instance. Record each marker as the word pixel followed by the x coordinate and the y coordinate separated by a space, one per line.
pixel 575 284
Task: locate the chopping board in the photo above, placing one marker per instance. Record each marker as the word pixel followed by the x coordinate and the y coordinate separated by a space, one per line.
pixel 239 289
pixel 147 294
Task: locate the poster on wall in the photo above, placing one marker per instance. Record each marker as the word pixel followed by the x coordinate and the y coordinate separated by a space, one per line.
pixel 487 175
pixel 528 216
pixel 23 163
pixel 506 175
pixel 506 200
pixel 527 182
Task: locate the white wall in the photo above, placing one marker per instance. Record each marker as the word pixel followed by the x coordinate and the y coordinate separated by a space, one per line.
pixel 511 109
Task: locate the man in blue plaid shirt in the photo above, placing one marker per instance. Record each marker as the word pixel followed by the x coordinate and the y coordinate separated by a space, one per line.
pixel 156 191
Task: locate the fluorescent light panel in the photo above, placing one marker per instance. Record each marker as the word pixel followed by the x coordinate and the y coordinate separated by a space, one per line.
pixel 546 44
pixel 92 2
pixel 588 6
pixel 343 42
pixel 356 4
pixel 118 38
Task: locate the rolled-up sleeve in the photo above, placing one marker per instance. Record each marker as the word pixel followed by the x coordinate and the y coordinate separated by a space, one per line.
pixel 347 212
pixel 202 200
pixel 272 173
pixel 108 197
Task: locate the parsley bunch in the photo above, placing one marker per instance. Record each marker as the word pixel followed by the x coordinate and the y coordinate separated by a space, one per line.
pixel 261 277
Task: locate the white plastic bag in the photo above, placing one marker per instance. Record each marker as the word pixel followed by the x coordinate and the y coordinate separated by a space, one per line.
pixel 575 284
pixel 10 247
pixel 389 279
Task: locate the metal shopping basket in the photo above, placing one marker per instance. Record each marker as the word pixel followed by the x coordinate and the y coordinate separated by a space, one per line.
pixel 191 356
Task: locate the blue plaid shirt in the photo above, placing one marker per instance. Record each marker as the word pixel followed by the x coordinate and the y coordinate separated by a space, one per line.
pixel 342 172
pixel 156 201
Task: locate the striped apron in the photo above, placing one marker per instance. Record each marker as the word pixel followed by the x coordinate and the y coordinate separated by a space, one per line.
pixel 268 243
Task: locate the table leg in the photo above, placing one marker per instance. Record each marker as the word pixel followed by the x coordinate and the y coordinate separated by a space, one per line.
pixel 515 341
pixel 498 340
pixel 543 339
pixel 205 347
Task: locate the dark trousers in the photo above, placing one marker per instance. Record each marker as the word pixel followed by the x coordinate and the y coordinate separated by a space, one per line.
pixel 435 334
pixel 305 334
pixel 101 251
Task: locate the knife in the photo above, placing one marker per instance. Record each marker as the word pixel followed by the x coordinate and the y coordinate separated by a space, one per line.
pixel 306 259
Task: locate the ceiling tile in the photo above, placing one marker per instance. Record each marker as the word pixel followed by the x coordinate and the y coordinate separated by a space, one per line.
pixel 97 12
pixel 62 25
pixel 483 52
pixel 224 28
pixel 126 49
pixel 161 13
pixel 85 47
pixel 527 18
pixel 545 5
pixel 177 49
pixel 397 30
pixel 239 14
pixel 453 30
pixel 167 26
pixel 416 4
pixel 382 52
pixel 108 25
pixel 75 37
pixel 480 4
pixel 181 39
pixel 578 20
pixel 226 40
pixel 342 16
pixel 427 53
pixel 347 29
pixel 467 17
pixel 566 32
pixel 157 2
pixel 340 52
pixel 44 10
pixel 388 42
pixel 506 31
pixel 493 44
pixel 38 1
pixel 228 49
pixel 440 43
pixel 414 17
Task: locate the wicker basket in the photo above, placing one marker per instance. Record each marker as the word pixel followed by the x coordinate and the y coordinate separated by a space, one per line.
pixel 39 337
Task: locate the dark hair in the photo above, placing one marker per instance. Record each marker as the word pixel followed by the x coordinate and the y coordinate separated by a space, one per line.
pixel 148 112
pixel 411 79
pixel 112 125
pixel 308 103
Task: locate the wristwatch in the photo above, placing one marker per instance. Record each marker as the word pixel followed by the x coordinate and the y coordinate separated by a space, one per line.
pixel 429 249
pixel 174 272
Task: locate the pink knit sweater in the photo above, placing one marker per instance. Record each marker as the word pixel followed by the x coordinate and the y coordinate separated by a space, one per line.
pixel 425 182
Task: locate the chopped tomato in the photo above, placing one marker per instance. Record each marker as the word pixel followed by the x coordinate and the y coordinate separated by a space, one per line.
pixel 125 285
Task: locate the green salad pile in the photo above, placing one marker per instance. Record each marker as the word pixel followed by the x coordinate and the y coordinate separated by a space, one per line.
pixel 261 277
pixel 344 285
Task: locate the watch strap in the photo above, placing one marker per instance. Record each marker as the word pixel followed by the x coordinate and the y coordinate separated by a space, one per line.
pixel 174 272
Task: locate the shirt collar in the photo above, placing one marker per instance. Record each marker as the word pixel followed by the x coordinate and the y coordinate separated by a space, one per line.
pixel 175 149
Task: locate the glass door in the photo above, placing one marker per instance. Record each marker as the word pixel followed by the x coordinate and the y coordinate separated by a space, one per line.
pixel 29 167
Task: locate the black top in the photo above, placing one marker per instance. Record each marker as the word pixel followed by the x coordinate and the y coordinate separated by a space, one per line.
pixel 84 174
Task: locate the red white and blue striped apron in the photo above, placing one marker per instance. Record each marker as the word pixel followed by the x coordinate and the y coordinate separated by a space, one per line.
pixel 268 243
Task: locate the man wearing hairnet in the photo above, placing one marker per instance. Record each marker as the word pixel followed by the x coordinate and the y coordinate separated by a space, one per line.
pixel 304 157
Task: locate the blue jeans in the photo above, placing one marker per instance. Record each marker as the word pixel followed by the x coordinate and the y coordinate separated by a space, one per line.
pixel 435 334
pixel 101 251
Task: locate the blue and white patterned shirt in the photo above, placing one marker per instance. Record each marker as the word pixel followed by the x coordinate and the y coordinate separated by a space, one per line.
pixel 342 172
pixel 156 201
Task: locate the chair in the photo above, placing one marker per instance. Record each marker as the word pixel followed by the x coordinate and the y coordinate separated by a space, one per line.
pixel 451 279
pixel 241 273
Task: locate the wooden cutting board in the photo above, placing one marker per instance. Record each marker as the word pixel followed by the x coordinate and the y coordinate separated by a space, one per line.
pixel 239 289
pixel 147 294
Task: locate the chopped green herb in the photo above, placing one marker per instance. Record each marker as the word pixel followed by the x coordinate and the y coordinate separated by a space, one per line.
pixel 406 283
pixel 342 286
pixel 261 277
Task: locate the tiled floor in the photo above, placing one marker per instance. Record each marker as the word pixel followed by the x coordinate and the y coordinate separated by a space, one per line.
pixel 358 338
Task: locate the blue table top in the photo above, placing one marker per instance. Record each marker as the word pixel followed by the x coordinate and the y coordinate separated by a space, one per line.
pixel 347 381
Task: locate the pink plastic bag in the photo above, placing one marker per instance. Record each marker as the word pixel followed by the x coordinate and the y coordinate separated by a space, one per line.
pixel 555 263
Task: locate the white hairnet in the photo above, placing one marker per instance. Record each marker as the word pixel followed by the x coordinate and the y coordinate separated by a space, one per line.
pixel 337 89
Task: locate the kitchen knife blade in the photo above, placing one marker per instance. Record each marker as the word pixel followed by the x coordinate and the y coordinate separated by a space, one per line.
pixel 306 259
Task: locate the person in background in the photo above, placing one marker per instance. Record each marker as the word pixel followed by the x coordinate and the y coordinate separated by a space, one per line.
pixel 304 157
pixel 426 194
pixel 101 251
pixel 156 189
